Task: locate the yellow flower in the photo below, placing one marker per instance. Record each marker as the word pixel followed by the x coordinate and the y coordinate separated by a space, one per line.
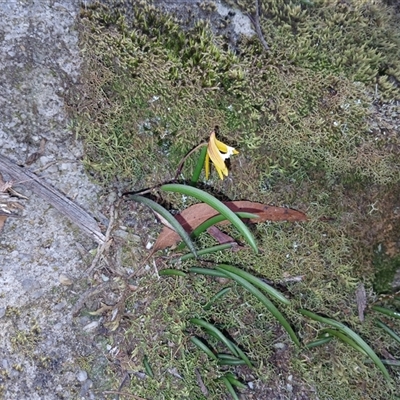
pixel 214 149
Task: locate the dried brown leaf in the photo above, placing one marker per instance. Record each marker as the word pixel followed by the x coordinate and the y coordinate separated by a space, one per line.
pixel 2 221
pixel 195 215
pixel 361 297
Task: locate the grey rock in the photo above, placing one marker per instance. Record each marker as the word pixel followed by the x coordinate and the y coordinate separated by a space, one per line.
pixel 82 375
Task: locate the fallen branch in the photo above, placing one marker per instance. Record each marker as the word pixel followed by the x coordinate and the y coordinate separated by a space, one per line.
pixel 58 200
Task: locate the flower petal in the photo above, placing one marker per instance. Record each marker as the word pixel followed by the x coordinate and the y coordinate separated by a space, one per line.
pixel 218 152
pixel 217 159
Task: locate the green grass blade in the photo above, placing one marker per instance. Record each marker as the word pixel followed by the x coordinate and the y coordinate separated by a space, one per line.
pixel 394 335
pixel 168 217
pixel 347 331
pixel 345 339
pixel 387 311
pixel 268 304
pixel 256 282
pixel 213 221
pixel 208 250
pixel 216 297
pixel 238 361
pixel 215 332
pixel 169 272
pixel 230 388
pixel 319 342
pixel 234 381
pixel 207 271
pixel 199 166
pixel 217 205
pixel 202 346
pixel 216 220
pixel 147 367
pixel 228 357
pixel 242 355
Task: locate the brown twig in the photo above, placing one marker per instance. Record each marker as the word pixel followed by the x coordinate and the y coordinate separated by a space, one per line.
pixel 256 23
pixel 180 166
pixel 102 247
pixel 123 394
pixel 89 293
pixel 53 196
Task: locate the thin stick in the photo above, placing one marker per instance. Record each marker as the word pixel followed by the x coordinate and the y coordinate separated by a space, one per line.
pixel 256 23
pixel 101 248
pixel 180 166
pixel 53 196
pixel 123 394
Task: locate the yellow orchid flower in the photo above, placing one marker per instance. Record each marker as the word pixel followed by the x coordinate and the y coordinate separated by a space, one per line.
pixel 214 149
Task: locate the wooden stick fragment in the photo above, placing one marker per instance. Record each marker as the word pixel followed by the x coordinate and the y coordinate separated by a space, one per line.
pixel 58 200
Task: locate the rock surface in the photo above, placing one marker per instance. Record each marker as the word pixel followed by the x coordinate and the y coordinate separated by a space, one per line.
pixel 41 353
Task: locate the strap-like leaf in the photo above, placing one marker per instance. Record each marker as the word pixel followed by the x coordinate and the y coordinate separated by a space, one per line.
pixel 357 339
pixel 387 311
pixel 168 217
pixel 256 282
pixel 260 296
pixel 215 332
pixel 202 346
pixel 208 250
pixel 394 335
pixel 217 205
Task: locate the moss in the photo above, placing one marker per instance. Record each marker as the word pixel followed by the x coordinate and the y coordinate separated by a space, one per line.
pixel 359 40
pixel 385 269
pixel 155 87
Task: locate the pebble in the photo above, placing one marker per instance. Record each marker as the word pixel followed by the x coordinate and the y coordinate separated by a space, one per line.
pixel 91 327
pixel 65 280
pixel 82 376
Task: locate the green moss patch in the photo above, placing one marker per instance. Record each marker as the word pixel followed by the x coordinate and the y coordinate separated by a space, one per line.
pixel 154 88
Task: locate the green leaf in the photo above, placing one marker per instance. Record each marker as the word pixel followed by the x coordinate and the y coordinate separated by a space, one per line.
pixel 199 166
pixel 229 359
pixel 388 330
pixel 207 271
pixel 345 339
pixel 237 361
pixel 202 346
pixel 230 388
pixel 215 332
pixel 213 221
pixel 357 339
pixel 234 381
pixel 169 272
pixel 242 355
pixel 216 220
pixel 168 217
pixel 319 342
pixel 208 250
pixel 147 367
pixel 387 311
pixel 256 282
pixel 261 297
pixel 217 205
pixel 216 297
